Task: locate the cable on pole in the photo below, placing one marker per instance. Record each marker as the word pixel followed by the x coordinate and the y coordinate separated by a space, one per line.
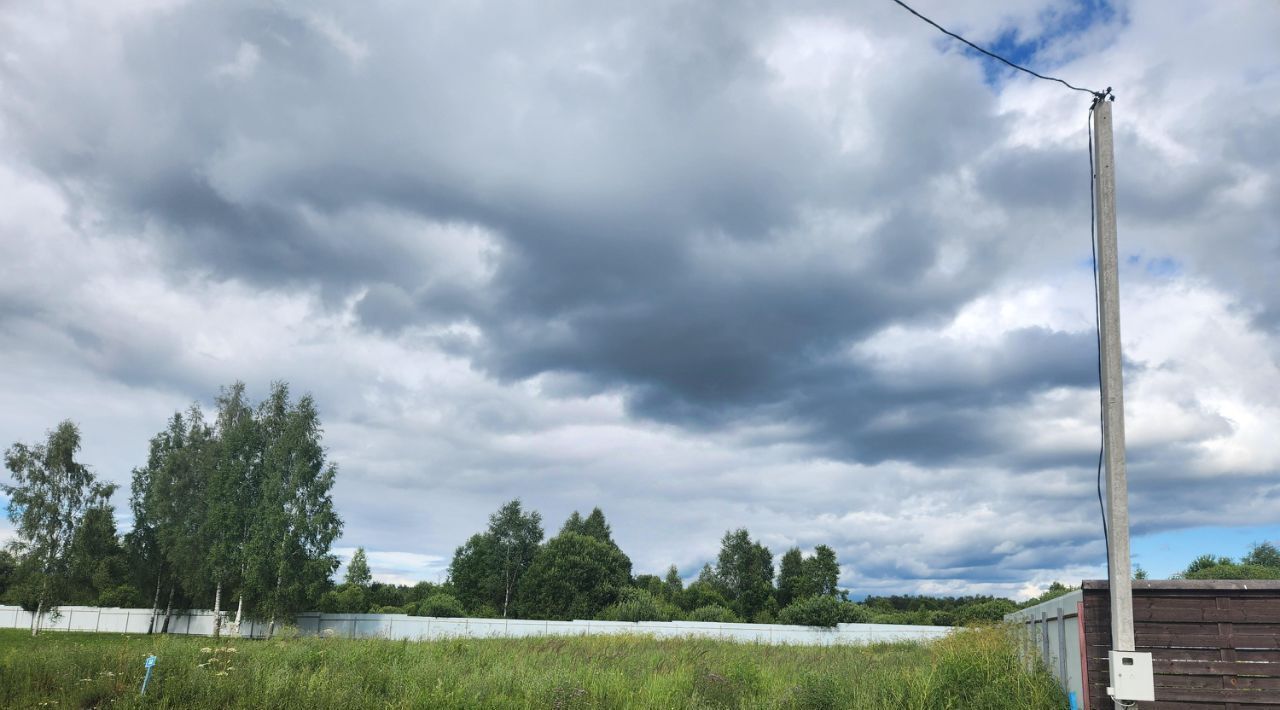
pixel 993 55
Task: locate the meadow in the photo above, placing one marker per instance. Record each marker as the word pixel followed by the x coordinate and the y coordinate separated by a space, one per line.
pixel 972 669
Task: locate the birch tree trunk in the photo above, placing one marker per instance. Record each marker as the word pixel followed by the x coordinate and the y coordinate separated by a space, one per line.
pixel 155 608
pixel 35 620
pixel 168 613
pixel 217 611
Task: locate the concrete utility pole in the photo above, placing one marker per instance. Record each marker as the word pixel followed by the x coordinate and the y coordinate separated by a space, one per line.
pixel 1121 587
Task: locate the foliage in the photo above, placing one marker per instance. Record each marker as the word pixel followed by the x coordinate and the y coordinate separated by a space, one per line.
pixel 441 605
pixel 294 523
pixel 744 573
pixel 486 571
pixel 971 670
pixel 8 568
pixel 1204 562
pixel 790 577
pixel 358 569
pixel 672 584
pixel 713 613
pixel 1262 554
pixel 50 493
pixel 639 605
pixel 573 576
pixel 347 599
pixel 1235 571
pixel 97 567
pixel 817 610
pixel 699 594
pixel 236 474
pixel 1261 562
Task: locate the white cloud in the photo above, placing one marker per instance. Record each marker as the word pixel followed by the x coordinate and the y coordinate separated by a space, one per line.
pixel 243 66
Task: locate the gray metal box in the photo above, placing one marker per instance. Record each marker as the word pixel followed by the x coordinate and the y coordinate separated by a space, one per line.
pixel 1131 676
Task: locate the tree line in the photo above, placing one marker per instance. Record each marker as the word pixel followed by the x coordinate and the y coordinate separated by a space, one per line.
pixel 239 507
pixel 510 569
pixel 236 509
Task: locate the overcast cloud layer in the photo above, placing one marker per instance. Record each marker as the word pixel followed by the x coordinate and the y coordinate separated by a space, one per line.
pixel 801 267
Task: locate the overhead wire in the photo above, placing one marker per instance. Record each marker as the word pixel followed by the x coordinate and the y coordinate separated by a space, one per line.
pixel 993 55
pixel 1098 96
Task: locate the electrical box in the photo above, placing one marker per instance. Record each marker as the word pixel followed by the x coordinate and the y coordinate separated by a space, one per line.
pixel 1131 676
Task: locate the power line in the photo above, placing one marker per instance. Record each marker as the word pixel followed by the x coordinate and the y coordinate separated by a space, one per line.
pixel 993 55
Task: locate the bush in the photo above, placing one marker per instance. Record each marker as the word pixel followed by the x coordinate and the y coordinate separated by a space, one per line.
pixel 851 613
pixel 639 605
pixel 714 613
pixel 1235 571
pixel 813 611
pixel 347 599
pixel 441 604
pixel 124 595
pixel 387 609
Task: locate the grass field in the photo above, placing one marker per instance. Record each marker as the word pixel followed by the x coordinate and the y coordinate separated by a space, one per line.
pixel 971 669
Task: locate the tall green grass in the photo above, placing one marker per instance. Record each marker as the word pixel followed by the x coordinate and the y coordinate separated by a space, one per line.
pixel 970 669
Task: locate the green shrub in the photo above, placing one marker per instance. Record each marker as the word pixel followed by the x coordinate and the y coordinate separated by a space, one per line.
pixel 714 613
pixel 813 611
pixel 851 613
pixel 442 605
pixel 1235 571
pixel 347 599
pixel 124 595
pixel 639 605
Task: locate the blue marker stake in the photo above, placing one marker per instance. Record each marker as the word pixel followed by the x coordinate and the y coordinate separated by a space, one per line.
pixel 151 663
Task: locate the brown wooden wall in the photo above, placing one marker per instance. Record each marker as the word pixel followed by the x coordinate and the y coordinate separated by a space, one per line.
pixel 1214 644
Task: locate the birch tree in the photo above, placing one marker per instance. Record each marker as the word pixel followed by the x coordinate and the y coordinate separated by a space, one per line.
pixel 49 493
pixel 294 523
pixel 234 482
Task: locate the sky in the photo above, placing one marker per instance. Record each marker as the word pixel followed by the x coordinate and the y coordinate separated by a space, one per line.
pixel 807 268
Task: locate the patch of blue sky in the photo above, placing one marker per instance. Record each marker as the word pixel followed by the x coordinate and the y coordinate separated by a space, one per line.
pixel 1160 267
pixel 1023 50
pixel 1166 553
pixel 1163 267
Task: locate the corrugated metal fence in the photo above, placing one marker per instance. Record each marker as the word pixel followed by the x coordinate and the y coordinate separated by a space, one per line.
pixel 1053 637
pixel 403 626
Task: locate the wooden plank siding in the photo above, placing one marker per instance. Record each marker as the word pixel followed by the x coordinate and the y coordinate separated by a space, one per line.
pixel 1214 644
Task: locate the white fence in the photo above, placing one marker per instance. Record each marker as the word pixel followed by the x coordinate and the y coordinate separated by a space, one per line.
pixel 403 626
pixel 1053 637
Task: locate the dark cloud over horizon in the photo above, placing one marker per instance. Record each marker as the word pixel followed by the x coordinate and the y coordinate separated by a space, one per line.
pixel 653 257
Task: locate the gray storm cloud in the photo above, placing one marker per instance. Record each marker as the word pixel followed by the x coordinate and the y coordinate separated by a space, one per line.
pixel 799 266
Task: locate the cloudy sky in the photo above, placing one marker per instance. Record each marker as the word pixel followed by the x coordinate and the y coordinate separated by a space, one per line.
pixel 803 267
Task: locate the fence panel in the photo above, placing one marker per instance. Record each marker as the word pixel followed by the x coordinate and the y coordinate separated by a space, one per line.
pixel 401 626
pixel 1214 644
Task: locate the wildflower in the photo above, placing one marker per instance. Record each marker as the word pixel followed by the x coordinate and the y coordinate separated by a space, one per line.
pixel 206 649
